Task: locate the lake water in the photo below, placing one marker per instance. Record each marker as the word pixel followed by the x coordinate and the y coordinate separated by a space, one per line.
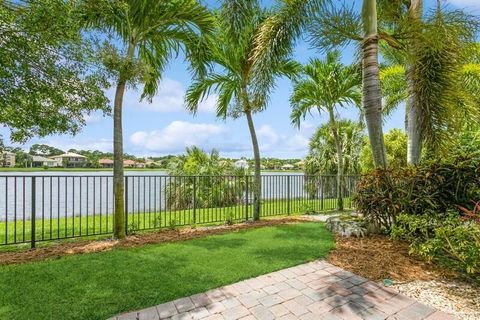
pixel 62 194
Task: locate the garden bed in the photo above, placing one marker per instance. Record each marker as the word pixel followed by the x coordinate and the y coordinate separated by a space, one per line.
pixel 378 258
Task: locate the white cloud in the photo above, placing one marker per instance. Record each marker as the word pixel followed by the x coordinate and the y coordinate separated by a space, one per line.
pixel 267 136
pixel 92 118
pixel 169 98
pixel 273 142
pixel 176 136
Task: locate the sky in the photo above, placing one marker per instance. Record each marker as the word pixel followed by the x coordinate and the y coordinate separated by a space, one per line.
pixel 164 127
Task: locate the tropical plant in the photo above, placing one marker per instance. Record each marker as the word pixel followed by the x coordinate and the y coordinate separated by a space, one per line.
pixel 330 27
pixel 322 156
pixel 435 186
pixel 447 238
pixel 205 179
pixel 150 33
pixel 395 146
pixel 431 51
pixel 48 83
pixel 242 87
pixel 324 86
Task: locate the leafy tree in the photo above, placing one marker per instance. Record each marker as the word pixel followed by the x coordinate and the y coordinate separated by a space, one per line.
pixel 44 150
pixel 242 87
pixel 150 33
pixel 396 146
pixel 47 80
pixel 324 86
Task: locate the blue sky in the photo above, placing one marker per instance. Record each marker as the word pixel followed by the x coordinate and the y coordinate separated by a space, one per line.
pixel 164 127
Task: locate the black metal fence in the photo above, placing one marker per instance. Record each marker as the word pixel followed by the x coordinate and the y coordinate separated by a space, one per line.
pixel 44 208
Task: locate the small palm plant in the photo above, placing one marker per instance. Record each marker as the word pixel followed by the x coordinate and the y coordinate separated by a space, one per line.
pixel 324 86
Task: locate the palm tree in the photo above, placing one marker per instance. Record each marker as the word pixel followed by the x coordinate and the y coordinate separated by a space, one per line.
pixel 324 86
pixel 150 32
pixel 330 27
pixel 242 87
pixel 372 96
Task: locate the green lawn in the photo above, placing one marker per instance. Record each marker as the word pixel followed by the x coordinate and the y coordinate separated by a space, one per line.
pixel 100 285
pixel 75 226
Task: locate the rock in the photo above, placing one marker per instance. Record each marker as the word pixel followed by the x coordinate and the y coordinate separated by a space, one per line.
pixel 347 226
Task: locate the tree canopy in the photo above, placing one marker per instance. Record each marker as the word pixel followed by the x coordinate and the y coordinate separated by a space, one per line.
pixel 48 82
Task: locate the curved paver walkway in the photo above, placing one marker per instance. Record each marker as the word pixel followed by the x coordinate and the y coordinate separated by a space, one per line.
pixel 315 290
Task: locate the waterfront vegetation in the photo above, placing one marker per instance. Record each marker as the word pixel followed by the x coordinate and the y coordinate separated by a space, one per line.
pixel 97 286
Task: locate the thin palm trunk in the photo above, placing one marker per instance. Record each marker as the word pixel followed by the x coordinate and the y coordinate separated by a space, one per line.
pixel 119 229
pixel 372 97
pixel 414 141
pixel 257 181
pixel 338 146
pixel 119 223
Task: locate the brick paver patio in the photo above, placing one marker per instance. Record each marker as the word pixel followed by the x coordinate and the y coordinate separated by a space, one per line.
pixel 315 290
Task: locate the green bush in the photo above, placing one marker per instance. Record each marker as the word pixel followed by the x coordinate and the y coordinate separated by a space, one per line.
pixel 382 195
pixel 442 237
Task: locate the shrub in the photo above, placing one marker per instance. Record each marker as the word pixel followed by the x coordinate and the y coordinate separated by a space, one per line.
pixel 431 187
pixel 442 236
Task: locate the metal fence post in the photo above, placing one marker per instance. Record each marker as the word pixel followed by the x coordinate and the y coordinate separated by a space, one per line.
pixel 321 194
pixel 33 209
pixel 246 198
pixel 194 199
pixel 288 194
pixel 126 204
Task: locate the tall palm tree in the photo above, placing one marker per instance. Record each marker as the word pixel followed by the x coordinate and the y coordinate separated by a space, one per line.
pixel 372 96
pixel 242 87
pixel 324 86
pixel 150 33
pixel 329 26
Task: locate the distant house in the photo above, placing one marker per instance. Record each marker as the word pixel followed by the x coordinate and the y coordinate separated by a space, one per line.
pixel 39 161
pixel 140 165
pixel 70 160
pixel 288 167
pixel 7 159
pixel 106 163
pixel 241 164
pixel 128 163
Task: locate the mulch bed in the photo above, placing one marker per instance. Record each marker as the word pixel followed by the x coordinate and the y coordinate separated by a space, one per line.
pixel 377 258
pixel 80 247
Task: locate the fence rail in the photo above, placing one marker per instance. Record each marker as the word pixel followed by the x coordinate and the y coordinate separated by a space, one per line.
pixel 44 208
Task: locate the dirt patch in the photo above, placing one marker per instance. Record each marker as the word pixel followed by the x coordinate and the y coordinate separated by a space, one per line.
pixel 81 246
pixel 377 258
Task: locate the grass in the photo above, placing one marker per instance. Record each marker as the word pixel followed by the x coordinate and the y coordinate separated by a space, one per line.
pixel 100 285
pixel 70 227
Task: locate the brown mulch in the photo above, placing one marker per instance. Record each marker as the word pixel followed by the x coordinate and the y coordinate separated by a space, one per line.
pixel 80 247
pixel 377 257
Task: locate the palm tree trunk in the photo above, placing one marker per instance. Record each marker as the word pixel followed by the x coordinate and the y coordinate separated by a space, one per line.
pixel 414 138
pixel 119 214
pixel 414 141
pixel 372 97
pixel 338 146
pixel 119 229
pixel 257 183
